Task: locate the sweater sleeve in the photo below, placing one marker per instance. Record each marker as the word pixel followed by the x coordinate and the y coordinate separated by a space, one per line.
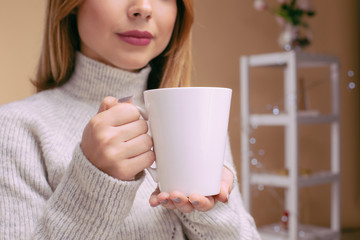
pixel 86 204
pixel 226 221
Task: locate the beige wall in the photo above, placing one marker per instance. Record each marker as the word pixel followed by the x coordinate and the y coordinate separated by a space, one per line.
pixel 223 31
pixel 21 27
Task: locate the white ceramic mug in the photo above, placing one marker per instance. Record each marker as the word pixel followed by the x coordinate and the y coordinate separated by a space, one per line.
pixel 189 130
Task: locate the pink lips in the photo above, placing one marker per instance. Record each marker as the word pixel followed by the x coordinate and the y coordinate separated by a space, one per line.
pixel 135 37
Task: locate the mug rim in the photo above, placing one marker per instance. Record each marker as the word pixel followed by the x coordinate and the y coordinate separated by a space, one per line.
pixel 188 88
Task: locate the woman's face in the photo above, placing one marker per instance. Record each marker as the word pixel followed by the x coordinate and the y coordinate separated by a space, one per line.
pixel 126 34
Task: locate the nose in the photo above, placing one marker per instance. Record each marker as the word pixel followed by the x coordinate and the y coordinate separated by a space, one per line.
pixel 140 9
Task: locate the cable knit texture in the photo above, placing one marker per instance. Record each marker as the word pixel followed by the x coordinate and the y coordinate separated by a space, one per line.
pixel 49 190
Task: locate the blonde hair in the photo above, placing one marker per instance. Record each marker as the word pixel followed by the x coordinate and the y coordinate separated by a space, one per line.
pixel 61 41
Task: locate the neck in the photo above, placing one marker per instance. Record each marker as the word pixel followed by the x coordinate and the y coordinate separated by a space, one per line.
pixel 92 81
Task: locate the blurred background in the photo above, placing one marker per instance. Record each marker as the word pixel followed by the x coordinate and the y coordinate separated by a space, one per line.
pixel 223 32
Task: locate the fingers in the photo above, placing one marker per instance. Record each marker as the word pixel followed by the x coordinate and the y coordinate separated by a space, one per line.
pixel 115 140
pixel 107 103
pixel 226 185
pixel 223 196
pixel 180 202
pixel 136 146
pixel 121 142
pixel 158 198
pixel 129 168
pixel 154 201
pixel 202 203
pixel 118 148
pixel 165 201
pixel 131 130
pixel 117 115
pixel 174 201
pixel 177 200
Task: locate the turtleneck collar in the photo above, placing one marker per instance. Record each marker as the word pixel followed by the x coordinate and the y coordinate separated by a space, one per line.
pixel 93 80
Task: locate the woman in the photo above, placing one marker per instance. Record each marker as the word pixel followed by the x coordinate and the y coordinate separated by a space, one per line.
pixel 72 159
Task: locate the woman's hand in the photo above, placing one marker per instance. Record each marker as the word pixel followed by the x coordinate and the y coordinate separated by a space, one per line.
pixel 177 200
pixel 116 140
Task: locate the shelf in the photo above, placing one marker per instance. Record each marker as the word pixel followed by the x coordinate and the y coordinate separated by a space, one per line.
pixel 321 119
pixel 303 59
pixel 276 180
pixel 306 232
pixel 269 119
pixel 315 60
pixel 291 117
pixel 283 119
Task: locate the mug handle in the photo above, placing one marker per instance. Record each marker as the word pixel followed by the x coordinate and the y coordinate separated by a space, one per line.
pixel 151 170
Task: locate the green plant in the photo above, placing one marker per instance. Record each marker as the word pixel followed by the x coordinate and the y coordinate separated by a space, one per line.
pixel 289 11
pixel 293 14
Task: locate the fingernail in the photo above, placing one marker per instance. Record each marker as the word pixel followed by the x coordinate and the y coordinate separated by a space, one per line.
pixel 177 200
pixel 164 202
pixel 195 203
pixel 125 99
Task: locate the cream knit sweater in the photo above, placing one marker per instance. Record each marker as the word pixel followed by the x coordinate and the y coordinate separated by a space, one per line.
pixel 49 190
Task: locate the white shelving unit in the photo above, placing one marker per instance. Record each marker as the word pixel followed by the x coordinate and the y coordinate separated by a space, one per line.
pixel 290 119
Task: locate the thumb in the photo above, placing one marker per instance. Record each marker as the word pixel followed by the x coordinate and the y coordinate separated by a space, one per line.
pixel 107 103
pixel 226 185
